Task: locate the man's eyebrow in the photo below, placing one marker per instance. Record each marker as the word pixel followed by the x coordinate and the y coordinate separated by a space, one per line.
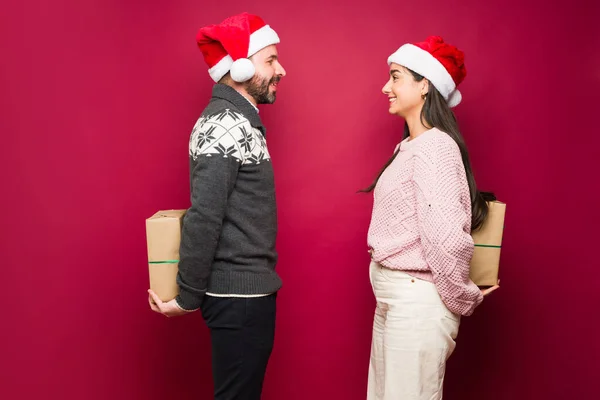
pixel 272 57
pixel 394 70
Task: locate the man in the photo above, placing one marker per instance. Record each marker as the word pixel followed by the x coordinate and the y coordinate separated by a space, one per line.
pixel 227 253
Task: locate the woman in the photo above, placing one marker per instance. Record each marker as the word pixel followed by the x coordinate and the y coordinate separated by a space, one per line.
pixel 425 207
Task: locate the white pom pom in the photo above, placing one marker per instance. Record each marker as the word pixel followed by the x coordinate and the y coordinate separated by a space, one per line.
pixel 454 98
pixel 242 70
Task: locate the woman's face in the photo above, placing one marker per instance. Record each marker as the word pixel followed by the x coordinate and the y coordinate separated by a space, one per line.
pixel 403 91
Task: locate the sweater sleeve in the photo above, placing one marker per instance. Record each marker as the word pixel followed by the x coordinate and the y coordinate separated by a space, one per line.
pixel 444 221
pixel 217 156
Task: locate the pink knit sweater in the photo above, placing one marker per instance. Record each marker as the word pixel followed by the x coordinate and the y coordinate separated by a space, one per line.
pixel 421 220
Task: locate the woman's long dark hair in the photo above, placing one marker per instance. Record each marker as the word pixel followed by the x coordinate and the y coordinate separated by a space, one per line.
pixel 436 113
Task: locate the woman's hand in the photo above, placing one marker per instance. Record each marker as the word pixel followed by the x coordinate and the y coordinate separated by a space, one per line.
pixel 489 290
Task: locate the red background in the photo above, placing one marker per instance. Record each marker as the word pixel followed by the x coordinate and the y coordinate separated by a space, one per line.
pixel 98 100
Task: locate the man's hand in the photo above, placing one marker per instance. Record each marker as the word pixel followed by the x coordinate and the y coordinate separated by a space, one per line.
pixel 168 309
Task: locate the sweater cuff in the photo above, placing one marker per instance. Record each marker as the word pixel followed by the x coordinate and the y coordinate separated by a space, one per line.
pixel 478 298
pixel 189 301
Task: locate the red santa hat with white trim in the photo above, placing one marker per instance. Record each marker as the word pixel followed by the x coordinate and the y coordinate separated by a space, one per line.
pixel 441 63
pixel 227 46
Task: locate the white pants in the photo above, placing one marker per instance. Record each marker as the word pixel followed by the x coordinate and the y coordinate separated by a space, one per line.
pixel 413 337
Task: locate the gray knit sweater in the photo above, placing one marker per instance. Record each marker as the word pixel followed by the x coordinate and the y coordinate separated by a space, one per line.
pixel 228 234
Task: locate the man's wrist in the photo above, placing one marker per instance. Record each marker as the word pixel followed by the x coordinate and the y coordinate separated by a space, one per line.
pixel 181 307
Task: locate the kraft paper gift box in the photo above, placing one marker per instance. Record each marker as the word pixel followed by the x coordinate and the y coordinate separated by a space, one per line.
pixel 163 235
pixel 488 242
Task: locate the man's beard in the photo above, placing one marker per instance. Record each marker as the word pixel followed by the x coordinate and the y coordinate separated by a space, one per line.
pixel 258 88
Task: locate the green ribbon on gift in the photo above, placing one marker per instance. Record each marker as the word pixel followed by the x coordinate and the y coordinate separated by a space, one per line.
pixel 164 262
pixel 488 245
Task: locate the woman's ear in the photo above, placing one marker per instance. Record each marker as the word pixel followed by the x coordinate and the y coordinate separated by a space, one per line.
pixel 424 87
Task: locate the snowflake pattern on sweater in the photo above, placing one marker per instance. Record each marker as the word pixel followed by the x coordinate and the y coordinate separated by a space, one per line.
pixel 228 134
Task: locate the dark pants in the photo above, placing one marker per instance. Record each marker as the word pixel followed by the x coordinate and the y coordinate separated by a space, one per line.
pixel 242 331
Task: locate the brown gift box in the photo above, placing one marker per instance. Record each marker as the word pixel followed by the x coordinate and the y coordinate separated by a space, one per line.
pixel 163 235
pixel 488 242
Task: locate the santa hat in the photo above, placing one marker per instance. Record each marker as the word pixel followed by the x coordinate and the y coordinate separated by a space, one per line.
pixel 227 46
pixel 442 64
